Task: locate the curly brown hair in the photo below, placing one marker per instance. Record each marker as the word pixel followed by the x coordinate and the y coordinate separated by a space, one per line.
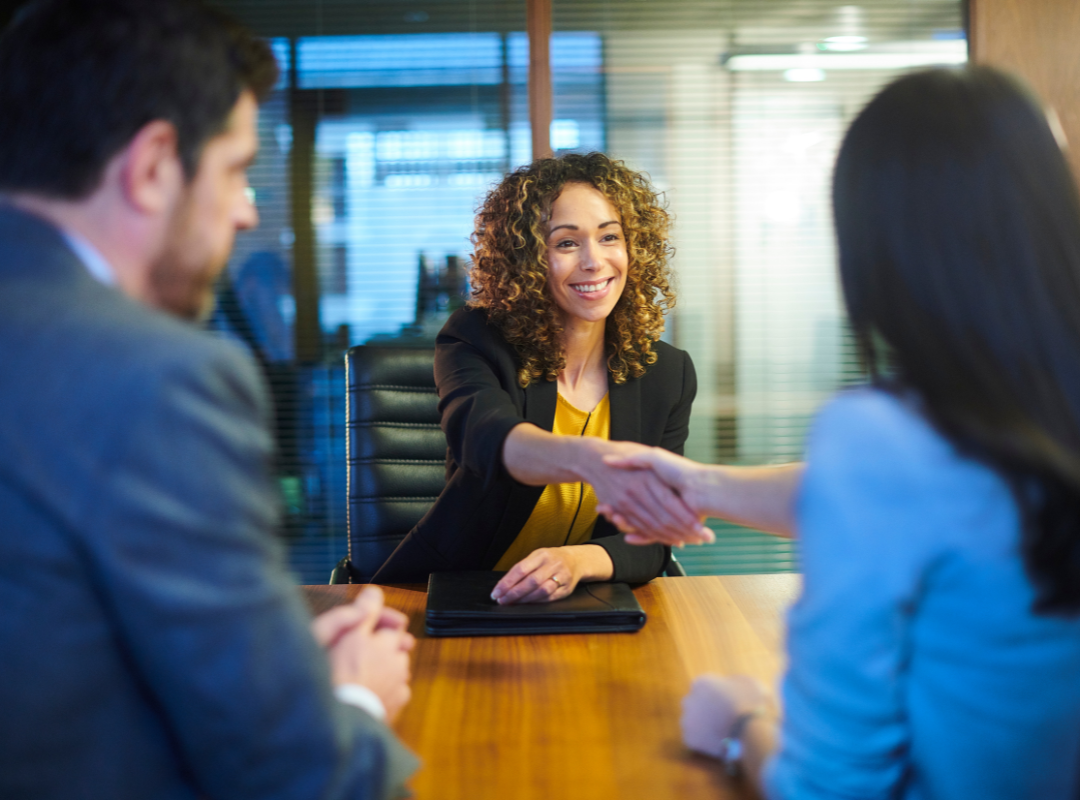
pixel 509 271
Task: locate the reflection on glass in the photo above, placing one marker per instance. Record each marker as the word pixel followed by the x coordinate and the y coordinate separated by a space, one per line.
pixel 401 173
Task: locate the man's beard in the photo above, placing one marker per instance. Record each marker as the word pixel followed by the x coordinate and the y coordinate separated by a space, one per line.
pixel 180 291
pixel 181 280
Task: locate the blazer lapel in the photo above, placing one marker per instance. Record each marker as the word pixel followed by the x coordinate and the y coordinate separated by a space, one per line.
pixel 540 401
pixel 625 400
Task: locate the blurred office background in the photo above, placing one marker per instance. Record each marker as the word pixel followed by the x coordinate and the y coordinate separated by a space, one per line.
pixel 393 118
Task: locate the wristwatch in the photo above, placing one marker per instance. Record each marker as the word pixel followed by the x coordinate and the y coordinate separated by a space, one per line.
pixel 731 746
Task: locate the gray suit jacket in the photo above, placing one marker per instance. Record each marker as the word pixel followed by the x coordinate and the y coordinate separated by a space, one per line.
pixel 151 643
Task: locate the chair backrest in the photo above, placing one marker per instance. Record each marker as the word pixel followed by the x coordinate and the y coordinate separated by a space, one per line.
pixel 396 450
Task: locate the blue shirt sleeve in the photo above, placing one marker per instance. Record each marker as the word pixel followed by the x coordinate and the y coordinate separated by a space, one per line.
pixel 867 513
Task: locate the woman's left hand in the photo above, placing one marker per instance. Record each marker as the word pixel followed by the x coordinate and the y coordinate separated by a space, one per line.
pixel 547 574
pixel 713 705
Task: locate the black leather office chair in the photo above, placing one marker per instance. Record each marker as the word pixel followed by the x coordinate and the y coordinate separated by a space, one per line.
pixel 396 452
pixel 674 569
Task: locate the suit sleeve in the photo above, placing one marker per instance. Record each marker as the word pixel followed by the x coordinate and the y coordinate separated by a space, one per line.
pixel 476 408
pixel 870 526
pixel 195 583
pixel 637 563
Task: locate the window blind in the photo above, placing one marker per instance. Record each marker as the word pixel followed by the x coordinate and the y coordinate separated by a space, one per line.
pixel 410 111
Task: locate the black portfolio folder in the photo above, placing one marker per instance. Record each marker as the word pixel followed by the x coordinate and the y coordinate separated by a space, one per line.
pixel 460 604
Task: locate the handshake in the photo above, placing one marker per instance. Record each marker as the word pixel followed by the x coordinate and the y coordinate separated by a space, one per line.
pixel 653 495
pixel 650 494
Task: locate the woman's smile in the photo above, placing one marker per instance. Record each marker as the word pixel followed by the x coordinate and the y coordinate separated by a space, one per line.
pixel 593 290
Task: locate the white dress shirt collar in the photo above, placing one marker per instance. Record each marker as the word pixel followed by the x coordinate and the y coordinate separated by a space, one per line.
pixel 94 262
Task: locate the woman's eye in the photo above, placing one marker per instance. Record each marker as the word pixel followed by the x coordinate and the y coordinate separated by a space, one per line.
pixel 566 243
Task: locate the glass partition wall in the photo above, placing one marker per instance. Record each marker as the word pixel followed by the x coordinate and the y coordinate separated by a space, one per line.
pixel 393 119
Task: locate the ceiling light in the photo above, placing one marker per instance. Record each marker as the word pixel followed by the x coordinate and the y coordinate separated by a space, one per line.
pixel 804 74
pixel 843 44
pixel 893 55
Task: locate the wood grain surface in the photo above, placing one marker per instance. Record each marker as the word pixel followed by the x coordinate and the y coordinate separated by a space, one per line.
pixel 585 716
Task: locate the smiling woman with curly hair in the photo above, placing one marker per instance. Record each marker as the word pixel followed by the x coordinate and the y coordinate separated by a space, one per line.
pixel 509 275
pixel 556 358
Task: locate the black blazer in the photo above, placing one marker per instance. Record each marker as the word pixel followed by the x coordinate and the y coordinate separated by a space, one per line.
pixel 483 509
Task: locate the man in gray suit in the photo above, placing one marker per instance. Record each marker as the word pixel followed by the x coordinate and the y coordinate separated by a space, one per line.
pixel 151 644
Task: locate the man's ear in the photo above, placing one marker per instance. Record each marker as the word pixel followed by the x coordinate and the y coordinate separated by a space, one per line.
pixel 151 175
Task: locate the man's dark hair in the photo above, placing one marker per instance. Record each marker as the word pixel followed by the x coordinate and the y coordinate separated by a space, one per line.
pixel 958 225
pixel 79 78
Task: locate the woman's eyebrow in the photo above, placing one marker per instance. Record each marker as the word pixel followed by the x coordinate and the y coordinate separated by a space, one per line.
pixel 575 227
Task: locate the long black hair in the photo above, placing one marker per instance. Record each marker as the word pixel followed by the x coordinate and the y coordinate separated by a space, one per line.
pixel 958 224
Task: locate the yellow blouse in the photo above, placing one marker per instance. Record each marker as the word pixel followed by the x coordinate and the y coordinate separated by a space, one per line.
pixel 566 512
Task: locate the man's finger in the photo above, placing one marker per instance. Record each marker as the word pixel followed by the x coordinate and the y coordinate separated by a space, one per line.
pixel 370 602
pixel 330 625
pixel 391 618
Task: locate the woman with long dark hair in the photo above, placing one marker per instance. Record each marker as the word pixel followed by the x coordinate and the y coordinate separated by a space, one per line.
pixel 935 650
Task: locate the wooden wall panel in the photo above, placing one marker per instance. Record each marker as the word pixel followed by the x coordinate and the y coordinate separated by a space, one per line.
pixel 540 97
pixel 1040 41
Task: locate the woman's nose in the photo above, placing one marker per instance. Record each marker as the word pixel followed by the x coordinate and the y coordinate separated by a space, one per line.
pixel 590 257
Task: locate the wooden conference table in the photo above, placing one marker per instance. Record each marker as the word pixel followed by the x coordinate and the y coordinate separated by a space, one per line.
pixel 589 716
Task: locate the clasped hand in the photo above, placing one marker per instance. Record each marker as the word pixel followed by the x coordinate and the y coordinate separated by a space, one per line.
pixel 367 644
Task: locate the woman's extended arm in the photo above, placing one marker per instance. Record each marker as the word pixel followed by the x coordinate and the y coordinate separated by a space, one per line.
pixel 758 497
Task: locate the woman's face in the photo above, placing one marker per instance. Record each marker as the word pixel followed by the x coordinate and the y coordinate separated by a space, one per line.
pixel 586 250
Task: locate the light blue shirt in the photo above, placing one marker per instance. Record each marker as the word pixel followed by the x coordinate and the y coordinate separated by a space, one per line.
pixel 917 669
pixel 94 262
